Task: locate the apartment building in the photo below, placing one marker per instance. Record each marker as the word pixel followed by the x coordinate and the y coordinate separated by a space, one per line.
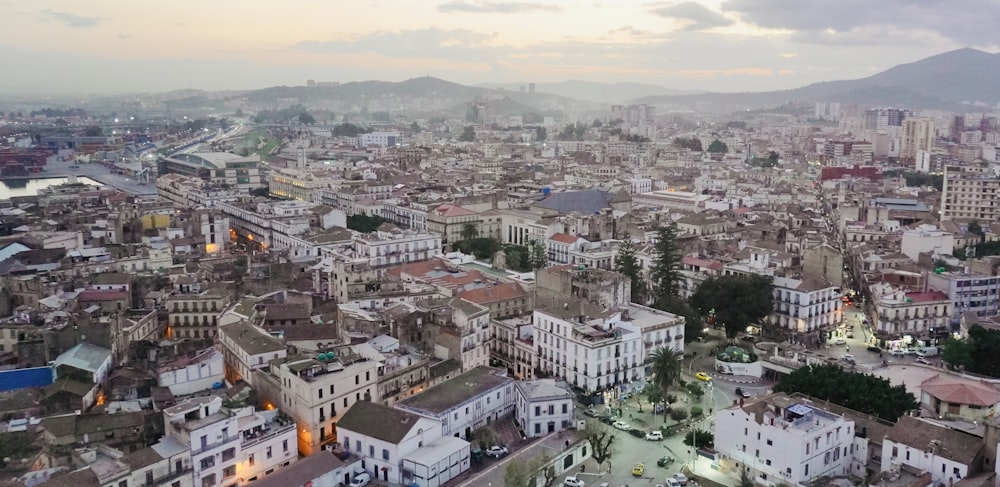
pixel 903 314
pixel 230 446
pixel 806 309
pixel 466 402
pixel 246 349
pixel 970 193
pixel 543 406
pixel 315 391
pixel 785 439
pixel 390 245
pixel 194 314
pixel 513 346
pixel 918 135
pixel 969 293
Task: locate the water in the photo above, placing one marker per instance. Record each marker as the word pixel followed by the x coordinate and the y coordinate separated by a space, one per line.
pixel 29 187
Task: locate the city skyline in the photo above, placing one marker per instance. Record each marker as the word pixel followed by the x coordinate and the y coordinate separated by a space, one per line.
pixel 106 47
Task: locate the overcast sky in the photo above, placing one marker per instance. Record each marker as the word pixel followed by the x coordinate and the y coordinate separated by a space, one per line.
pixel 115 46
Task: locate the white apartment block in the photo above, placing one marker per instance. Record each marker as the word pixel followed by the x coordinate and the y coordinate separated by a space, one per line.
pixel 918 135
pixel 970 192
pixel 230 447
pixel 465 403
pixel 543 406
pixel 784 439
pixel 384 248
pixel 382 436
pixel 658 328
pixel 901 313
pixel 382 139
pixel 926 238
pixel 806 308
pixel 315 391
pixel 184 376
pixel 591 353
pixel 969 293
pixel 247 348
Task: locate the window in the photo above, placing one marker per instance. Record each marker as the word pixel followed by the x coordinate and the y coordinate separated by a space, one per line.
pixel 208 481
pixel 371 450
pixel 769 443
pixel 331 387
pixel 357 446
pixel 123 483
pixel 565 408
pixel 357 379
pixel 250 460
pixel 229 471
pixel 320 391
pixel 284 445
pixel 768 462
pixel 538 410
pixel 149 477
pixel 268 452
pixel 207 462
pixel 806 473
pixel 538 428
pixel 228 454
pixel 385 454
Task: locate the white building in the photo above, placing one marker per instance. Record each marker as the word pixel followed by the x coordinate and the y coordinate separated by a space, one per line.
pixel 382 139
pixel 785 439
pixel 247 348
pixel 183 376
pixel 588 350
pixel 926 238
pixel 543 406
pixel 385 248
pixel 465 403
pixel 315 391
pixel 381 444
pixel 323 469
pixel 947 454
pixel 806 309
pixel 225 441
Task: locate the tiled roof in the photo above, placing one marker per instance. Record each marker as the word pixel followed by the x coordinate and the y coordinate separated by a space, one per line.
pixel 564 238
pixel 492 294
pixel 959 391
pixel 391 424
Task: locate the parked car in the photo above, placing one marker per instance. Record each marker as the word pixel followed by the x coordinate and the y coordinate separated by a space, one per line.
pixel 897 352
pixel 921 360
pixel 638 433
pixel 361 479
pixel 572 482
pixel 664 461
pixel 496 451
pixel 621 425
pixel 742 393
pixel 654 435
pixel 658 408
pixel 607 419
pixel 672 482
pixel 703 376
pixel 874 349
pixel 681 478
pixel 591 412
pixel 840 341
pixel 638 469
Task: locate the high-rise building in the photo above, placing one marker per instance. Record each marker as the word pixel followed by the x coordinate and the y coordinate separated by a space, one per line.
pixel 918 135
pixel 970 192
pixel 880 118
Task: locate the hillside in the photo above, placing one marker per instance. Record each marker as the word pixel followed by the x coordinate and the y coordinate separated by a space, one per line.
pixel 604 93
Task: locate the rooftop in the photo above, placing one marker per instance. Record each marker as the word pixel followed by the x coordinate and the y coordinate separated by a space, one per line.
pixel 960 391
pixel 84 356
pixel 452 393
pixel 302 472
pixel 251 339
pixel 392 425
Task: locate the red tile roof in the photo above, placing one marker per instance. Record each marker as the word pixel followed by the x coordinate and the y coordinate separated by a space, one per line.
pixel 91 295
pixel 928 296
pixel 702 263
pixel 869 172
pixel 501 292
pixel 961 391
pixel 563 238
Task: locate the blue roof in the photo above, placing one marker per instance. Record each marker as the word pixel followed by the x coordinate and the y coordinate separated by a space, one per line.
pixel 12 380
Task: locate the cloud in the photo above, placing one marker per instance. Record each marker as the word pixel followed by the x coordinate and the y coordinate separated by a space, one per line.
pixel 694 15
pixel 714 73
pixel 422 43
pixel 72 20
pixel 486 7
pixel 857 22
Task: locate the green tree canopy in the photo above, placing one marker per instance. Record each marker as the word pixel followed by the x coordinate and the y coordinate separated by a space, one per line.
pixel 957 353
pixel 364 223
pixel 737 301
pixel 306 118
pixel 541 134
pixel 468 134
pixel 666 268
pixel 861 392
pixel 538 256
pixel 689 143
pixel 718 146
pixel 469 231
pixel 666 369
pixel 628 265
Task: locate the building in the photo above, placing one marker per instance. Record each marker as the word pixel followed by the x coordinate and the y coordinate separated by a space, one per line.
pixel 230 447
pixel 785 439
pixel 381 444
pixel 926 239
pixel 543 406
pixel 806 309
pixel 918 135
pixel 389 245
pixel 324 469
pixel 970 192
pixel 203 371
pixel 218 168
pixel 905 318
pixel 382 139
pixel 969 293
pixel 194 314
pixel 246 349
pixel 84 361
pixel 315 391
pixel 957 398
pixel 948 455
pixel 465 403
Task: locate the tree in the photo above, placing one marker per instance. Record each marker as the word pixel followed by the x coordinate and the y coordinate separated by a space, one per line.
pixel 541 134
pixel 93 131
pixel 538 256
pixel 698 438
pixel 517 258
pixel 666 370
pixel 415 127
pixel 469 231
pixel 737 301
pixel 691 144
pixel 468 135
pixel 666 269
pixel 867 394
pixel 306 119
pixel 717 146
pixel 745 479
pixel 517 474
pixel 957 353
pixel 239 112
pixel 602 441
pixel 977 229
pixel 364 223
pixel 773 158
pixel 627 264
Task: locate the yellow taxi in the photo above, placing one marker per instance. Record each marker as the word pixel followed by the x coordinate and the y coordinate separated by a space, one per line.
pixel 703 376
pixel 638 469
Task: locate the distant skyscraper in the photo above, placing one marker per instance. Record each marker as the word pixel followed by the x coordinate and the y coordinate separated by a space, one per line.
pixel 918 135
pixel 310 83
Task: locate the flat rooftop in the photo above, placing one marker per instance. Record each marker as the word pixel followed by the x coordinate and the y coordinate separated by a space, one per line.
pixel 454 392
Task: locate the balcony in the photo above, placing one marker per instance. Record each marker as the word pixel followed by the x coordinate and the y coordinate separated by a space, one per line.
pixel 276 429
pixel 169 478
pixel 211 446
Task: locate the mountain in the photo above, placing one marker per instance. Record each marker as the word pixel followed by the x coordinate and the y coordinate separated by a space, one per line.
pixel 593 91
pixel 944 81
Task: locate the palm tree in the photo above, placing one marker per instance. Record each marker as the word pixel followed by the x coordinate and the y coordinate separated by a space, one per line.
pixel 666 368
pixel 469 231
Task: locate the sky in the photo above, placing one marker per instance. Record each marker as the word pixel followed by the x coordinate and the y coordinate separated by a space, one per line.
pixel 120 46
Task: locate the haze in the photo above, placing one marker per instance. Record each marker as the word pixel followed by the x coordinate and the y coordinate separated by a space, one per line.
pixel 69 47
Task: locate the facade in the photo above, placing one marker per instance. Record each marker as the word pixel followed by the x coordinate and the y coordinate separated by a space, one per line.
pixel 543 406
pixel 188 375
pixel 969 293
pixel 926 239
pixel 465 403
pixel 785 439
pixel 383 139
pixel 917 315
pixel 957 398
pixel 194 315
pixel 315 391
pixel 513 346
pixel 246 349
pixel 970 192
pixel 386 247
pixel 949 455
pixel 381 444
pixel 806 309
pixel 218 168
pixel 918 135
